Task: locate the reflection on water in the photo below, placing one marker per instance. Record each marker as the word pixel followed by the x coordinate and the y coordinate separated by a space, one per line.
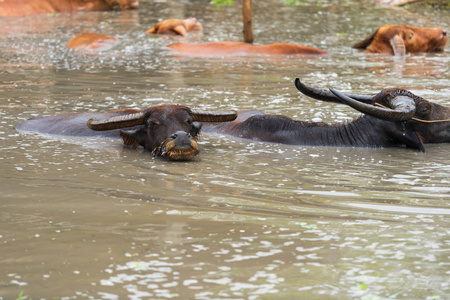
pixel 89 219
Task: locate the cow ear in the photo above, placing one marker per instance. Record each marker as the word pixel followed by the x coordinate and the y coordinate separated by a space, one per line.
pixel 398 45
pixel 180 30
pixel 151 30
pixel 134 138
pixel 364 44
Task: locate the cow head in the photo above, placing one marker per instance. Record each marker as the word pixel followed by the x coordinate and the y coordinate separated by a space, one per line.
pixel 413 120
pixel 192 24
pixel 168 131
pixel 175 26
pixel 399 40
pixel 123 4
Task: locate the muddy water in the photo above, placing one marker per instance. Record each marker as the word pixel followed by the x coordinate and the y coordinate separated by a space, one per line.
pixel 89 219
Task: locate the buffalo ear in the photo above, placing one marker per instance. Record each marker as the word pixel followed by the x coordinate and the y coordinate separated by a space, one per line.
pixel 398 45
pixel 411 139
pixel 134 138
pixel 196 126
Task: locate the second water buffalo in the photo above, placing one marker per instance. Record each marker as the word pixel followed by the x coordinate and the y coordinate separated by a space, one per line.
pixel 392 118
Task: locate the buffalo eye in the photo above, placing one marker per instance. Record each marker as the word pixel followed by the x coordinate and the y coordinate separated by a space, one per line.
pixel 153 123
pixel 411 36
pixel 189 121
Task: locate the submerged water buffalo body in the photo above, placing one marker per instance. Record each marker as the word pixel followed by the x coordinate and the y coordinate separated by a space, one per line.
pixel 175 27
pixel 92 42
pixel 21 8
pixel 168 131
pixel 392 118
pixel 238 48
pixel 399 40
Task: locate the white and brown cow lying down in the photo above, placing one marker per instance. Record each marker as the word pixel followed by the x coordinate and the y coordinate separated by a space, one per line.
pixel 399 40
pixel 22 8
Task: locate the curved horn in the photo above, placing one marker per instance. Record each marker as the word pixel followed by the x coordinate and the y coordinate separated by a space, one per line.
pixel 117 122
pixel 220 116
pixel 325 95
pixel 403 107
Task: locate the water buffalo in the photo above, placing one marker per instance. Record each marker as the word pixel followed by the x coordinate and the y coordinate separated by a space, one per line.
pixel 175 27
pixel 237 48
pixel 21 8
pixel 168 131
pixel 393 117
pixel 92 42
pixel 399 40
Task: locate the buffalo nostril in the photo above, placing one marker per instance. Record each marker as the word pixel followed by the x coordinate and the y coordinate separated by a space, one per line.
pixel 444 33
pixel 180 135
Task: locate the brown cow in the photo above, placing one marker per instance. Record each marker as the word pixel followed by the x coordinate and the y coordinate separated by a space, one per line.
pixel 236 48
pixel 92 42
pixel 399 40
pixel 175 27
pixel 21 8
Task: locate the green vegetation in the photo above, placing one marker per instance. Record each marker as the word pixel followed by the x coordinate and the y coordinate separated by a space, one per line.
pixel 220 4
pixel 441 4
pixel 295 2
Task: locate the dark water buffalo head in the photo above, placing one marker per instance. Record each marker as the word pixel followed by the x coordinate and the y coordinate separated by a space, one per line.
pixel 412 120
pixel 429 120
pixel 168 131
pixel 399 40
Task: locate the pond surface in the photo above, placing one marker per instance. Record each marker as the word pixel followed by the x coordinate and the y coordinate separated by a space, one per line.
pixel 90 219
